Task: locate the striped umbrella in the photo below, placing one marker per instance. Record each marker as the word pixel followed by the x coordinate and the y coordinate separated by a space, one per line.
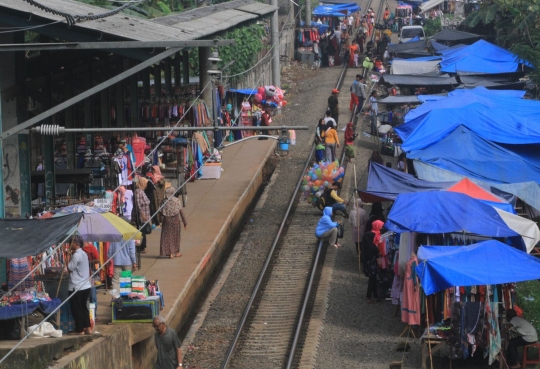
pixel 99 226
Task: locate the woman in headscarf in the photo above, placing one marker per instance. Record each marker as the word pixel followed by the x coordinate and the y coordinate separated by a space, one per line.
pixel 142 204
pixel 375 214
pixel 358 218
pixel 368 257
pixel 349 134
pixel 169 244
pixel 159 191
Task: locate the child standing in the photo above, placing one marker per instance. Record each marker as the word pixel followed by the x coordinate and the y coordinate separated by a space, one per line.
pixel 355 60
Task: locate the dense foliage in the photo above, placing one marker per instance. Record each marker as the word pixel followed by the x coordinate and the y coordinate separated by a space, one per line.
pixel 515 24
pixel 432 26
pixel 244 53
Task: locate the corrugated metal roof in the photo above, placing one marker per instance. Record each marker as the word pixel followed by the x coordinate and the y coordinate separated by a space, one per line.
pixel 217 22
pixel 119 25
pixel 189 25
pixel 209 20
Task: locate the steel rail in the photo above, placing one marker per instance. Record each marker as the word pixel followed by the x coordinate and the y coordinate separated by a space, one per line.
pixel 262 275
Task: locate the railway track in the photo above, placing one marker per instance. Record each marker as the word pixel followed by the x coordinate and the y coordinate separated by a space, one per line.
pixel 271 331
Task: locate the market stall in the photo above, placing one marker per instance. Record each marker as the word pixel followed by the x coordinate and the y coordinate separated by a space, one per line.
pixel 452 212
pixel 27 247
pixel 487 291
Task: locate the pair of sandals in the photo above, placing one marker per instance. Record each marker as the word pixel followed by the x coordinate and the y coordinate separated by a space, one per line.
pixel 337 245
pixel 177 255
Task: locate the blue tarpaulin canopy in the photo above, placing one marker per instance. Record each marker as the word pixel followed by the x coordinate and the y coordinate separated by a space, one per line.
pixel 481 159
pixel 245 91
pixel 385 184
pixel 337 10
pixel 496 118
pixel 526 191
pixel 494 97
pixel 434 212
pixel 480 57
pixel 441 267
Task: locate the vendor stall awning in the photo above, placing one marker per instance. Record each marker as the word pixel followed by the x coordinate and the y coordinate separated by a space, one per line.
pixel 435 212
pixel 526 191
pixel 482 159
pixel 430 4
pixel 386 184
pixel 409 80
pixel 454 35
pixel 412 66
pixel 480 57
pixel 488 262
pixel 412 99
pixel 29 237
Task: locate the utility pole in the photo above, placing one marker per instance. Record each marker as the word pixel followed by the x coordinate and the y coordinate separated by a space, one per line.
pixel 276 72
pixel 215 74
pixel 308 13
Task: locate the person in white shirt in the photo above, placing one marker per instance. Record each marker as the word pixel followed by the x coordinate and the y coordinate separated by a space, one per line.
pixel 526 335
pixel 79 286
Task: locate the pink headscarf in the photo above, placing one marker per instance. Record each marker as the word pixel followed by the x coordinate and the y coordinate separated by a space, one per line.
pixel 157 174
pixel 376 228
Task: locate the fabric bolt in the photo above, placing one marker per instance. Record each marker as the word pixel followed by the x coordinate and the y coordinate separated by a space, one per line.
pixel 410 306
pixel 396 292
pixel 494 334
pixel 18 269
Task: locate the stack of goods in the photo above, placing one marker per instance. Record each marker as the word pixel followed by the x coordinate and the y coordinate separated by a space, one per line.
pixel 137 286
pixel 320 177
pixel 125 282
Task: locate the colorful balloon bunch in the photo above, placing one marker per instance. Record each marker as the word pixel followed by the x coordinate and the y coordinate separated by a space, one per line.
pixel 270 96
pixel 320 177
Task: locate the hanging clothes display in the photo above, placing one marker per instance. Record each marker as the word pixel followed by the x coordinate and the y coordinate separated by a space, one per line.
pixel 410 305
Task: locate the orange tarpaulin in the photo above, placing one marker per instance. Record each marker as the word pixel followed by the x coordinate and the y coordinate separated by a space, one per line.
pixel 473 190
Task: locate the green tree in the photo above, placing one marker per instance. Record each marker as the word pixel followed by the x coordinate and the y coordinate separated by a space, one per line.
pixel 515 23
pixel 244 53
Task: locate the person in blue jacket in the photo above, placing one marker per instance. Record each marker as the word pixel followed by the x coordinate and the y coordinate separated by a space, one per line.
pixel 327 228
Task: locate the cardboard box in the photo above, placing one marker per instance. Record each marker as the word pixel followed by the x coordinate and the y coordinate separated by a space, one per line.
pixel 211 171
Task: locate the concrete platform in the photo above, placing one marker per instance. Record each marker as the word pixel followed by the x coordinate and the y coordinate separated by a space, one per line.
pixel 214 211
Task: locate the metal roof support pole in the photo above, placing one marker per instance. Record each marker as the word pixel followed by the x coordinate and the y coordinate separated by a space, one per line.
pixel 308 13
pixel 168 75
pixel 185 67
pixel 276 73
pixel 58 108
pixel 204 78
pixel 177 73
pixel 157 80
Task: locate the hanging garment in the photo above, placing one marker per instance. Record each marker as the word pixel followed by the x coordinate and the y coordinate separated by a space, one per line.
pixel 494 335
pixel 410 306
pixel 138 144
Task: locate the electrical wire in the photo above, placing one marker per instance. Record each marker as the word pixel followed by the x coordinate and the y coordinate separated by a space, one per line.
pixel 143 225
pixel 19 29
pixel 112 256
pixel 72 19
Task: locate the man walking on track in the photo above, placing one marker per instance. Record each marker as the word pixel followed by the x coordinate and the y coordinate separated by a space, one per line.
pixel 333 104
pixel 358 93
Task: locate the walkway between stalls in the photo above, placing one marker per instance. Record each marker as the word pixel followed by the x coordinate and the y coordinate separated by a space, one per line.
pixel 214 211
